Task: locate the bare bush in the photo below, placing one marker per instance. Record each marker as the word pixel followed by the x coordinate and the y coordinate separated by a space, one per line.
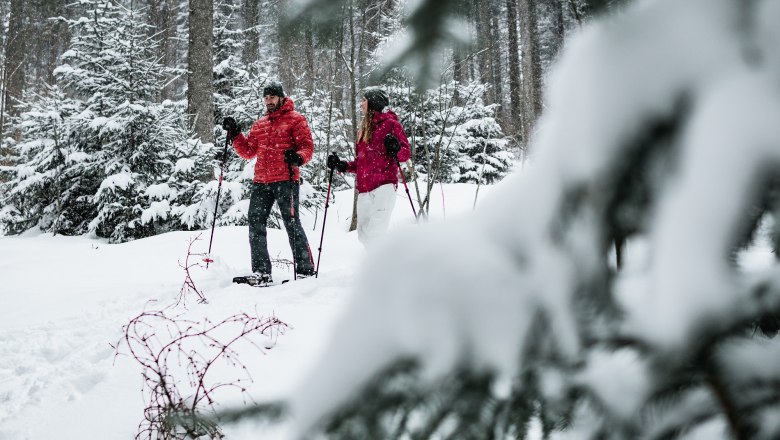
pixel 177 356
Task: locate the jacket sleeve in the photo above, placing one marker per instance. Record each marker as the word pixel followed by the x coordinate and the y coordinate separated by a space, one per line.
pixel 352 166
pixel 303 141
pixel 246 148
pixel 398 131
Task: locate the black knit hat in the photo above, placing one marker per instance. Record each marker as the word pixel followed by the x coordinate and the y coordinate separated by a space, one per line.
pixel 376 98
pixel 273 89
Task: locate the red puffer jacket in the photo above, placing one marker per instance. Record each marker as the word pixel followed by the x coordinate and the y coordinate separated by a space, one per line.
pixel 372 165
pixel 268 139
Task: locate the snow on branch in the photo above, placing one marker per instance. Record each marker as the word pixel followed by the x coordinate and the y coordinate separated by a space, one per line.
pixel 658 130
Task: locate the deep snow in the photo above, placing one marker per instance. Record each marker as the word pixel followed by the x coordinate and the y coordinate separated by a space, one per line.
pixel 65 300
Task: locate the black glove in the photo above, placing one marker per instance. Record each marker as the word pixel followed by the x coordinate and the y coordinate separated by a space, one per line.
pixel 231 127
pixel 392 145
pixel 335 162
pixel 293 158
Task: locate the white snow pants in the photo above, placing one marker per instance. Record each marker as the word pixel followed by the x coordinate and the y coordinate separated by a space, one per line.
pixel 373 210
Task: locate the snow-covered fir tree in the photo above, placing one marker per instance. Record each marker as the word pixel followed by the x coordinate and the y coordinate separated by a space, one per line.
pixel 51 185
pixel 110 65
pixel 483 150
pixel 108 136
pixel 455 135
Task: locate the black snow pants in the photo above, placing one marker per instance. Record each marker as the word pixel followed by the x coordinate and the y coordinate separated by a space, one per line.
pixel 261 201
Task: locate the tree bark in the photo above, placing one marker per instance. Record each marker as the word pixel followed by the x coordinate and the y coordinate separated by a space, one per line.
pixel 200 84
pixel 558 29
pixel 515 86
pixel 251 21
pixel 495 59
pixel 162 17
pixel 311 63
pixel 531 67
pixel 483 46
pixel 457 74
pixel 353 100
pixel 15 57
pixel 286 53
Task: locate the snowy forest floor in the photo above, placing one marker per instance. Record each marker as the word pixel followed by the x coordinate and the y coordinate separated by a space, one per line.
pixel 66 299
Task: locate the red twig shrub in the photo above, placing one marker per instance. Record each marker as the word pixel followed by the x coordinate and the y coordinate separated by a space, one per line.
pixel 189 285
pixel 178 355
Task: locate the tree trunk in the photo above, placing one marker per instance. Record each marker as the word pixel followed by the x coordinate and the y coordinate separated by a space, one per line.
pixel 515 86
pixel 162 17
pixel 371 15
pixel 311 64
pixel 251 21
pixel 495 60
pixel 457 74
pixel 286 53
pixel 200 84
pixel 353 100
pixel 558 29
pixel 484 47
pixel 45 37
pixel 15 57
pixel 531 67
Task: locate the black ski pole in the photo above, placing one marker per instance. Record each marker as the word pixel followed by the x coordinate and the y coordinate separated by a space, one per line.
pixel 292 213
pixel 406 187
pixel 324 219
pixel 208 258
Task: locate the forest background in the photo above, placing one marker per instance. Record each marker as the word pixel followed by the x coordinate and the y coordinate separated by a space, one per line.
pixel 110 110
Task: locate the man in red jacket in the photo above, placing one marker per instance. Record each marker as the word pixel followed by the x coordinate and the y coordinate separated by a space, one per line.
pixel 281 142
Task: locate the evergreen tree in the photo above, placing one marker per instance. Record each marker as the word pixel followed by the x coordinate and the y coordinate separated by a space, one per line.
pixel 51 185
pixel 453 142
pixel 102 148
pixel 111 65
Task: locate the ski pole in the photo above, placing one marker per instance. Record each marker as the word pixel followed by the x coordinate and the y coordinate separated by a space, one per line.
pixel 324 219
pixel 216 206
pixel 406 187
pixel 292 214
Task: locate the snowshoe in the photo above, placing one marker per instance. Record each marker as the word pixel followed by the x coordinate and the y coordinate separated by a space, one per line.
pixel 255 279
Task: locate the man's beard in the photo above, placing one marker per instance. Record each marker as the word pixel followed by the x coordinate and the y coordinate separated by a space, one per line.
pixel 272 107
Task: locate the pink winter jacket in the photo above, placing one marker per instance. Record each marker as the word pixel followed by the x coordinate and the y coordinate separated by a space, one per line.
pixel 372 165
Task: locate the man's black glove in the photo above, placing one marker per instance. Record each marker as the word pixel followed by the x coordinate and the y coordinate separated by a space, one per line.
pixel 335 162
pixel 231 127
pixel 293 158
pixel 392 146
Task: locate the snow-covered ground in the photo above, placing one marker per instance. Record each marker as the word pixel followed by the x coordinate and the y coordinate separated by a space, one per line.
pixel 64 301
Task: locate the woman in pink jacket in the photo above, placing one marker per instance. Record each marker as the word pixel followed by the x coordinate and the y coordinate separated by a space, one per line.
pixel 380 146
